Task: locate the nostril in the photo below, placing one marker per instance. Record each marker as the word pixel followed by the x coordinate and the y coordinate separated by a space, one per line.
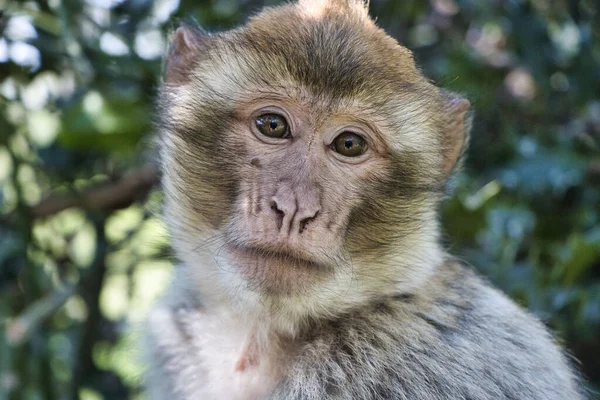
pixel 304 222
pixel 278 213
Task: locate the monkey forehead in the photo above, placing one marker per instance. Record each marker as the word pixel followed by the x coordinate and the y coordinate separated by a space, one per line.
pixel 329 47
pixel 337 50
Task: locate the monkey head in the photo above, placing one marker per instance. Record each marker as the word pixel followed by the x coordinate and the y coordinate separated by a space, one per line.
pixel 303 159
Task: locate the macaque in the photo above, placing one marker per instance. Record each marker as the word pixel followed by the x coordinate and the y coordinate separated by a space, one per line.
pixel 304 157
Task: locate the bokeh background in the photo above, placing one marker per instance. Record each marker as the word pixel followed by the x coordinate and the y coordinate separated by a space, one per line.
pixel 83 254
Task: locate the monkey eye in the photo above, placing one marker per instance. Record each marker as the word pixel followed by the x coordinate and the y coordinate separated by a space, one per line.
pixel 272 125
pixel 349 144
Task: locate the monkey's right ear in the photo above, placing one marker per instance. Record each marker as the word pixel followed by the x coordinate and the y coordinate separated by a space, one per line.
pixel 456 131
pixel 185 48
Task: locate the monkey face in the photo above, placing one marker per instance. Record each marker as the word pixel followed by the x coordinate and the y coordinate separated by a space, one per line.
pixel 304 152
pixel 305 166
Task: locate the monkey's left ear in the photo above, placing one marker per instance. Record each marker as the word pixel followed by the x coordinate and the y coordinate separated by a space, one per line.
pixel 185 49
pixel 456 131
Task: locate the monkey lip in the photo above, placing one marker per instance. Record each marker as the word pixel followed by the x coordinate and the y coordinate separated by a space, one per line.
pixel 276 272
pixel 278 256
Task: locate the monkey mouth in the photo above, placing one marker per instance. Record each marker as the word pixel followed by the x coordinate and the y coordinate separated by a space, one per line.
pixel 274 270
pixel 280 256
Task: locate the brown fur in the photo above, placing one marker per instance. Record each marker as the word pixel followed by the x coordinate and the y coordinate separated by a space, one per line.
pixel 307 275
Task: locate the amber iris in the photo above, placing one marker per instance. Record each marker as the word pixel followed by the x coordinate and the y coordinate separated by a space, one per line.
pixel 349 144
pixel 272 125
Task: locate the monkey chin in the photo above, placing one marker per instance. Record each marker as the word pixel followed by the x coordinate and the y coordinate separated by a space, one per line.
pixel 277 273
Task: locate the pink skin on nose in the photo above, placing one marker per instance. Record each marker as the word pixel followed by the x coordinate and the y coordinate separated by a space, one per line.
pixel 294 208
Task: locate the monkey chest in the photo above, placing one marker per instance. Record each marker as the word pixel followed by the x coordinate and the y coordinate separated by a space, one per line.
pixel 237 372
pixel 200 358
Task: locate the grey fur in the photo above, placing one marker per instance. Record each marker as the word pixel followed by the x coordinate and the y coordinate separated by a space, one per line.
pixel 469 342
pixel 456 338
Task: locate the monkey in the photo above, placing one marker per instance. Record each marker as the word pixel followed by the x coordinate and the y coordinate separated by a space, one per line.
pixel 304 157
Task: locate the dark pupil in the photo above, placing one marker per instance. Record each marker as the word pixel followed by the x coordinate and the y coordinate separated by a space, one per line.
pixel 272 125
pixel 349 144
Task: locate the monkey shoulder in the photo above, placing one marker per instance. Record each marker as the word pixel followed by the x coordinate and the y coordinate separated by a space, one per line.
pixel 457 338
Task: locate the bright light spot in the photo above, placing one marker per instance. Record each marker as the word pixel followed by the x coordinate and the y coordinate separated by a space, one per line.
pixel 25 55
pixel 68 222
pixel 82 248
pixel 26 174
pixel 151 238
pixel 66 85
pixel 125 360
pixel 101 16
pixel 489 42
pixel 520 84
pixel 43 127
pixel 35 95
pixel 76 308
pixel 149 44
pixel 20 146
pixel 54 84
pixel 93 103
pixel 567 38
pixel 19 28
pixel 89 394
pixel 114 301
pixel 3 50
pixel 151 278
pixel 8 89
pixel 113 45
pixel 163 9
pixel 74 48
pixel 314 9
pixel 90 28
pixel 120 259
pixel 122 222
pixel 446 7
pixel 104 3
pixel 5 164
pixel 30 189
pixel 15 113
pixel 49 240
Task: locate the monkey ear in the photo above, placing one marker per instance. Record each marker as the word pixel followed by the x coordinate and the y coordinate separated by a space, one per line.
pixel 456 131
pixel 186 45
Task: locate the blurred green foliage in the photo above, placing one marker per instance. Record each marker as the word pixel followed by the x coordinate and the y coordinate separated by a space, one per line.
pixel 77 80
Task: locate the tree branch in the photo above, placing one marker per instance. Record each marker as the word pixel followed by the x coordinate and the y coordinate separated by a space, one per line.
pixel 111 196
pixel 19 329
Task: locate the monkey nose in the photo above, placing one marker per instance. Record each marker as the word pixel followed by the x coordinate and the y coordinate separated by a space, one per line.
pixel 293 212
